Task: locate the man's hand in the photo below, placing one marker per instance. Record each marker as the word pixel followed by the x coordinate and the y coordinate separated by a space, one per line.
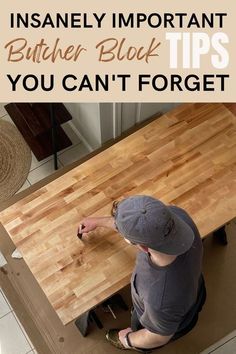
pixel 90 224
pixel 122 335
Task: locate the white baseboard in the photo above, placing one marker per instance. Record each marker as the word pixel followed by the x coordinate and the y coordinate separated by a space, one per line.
pixel 3 260
pixel 224 345
pixel 81 137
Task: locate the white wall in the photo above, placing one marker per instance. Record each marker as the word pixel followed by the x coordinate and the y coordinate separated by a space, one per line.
pixel 100 122
pixel 86 119
pixel 132 113
pixel 106 121
pixel 149 109
pixel 128 115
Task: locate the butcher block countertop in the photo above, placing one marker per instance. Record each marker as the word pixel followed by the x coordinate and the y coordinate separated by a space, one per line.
pixel 186 158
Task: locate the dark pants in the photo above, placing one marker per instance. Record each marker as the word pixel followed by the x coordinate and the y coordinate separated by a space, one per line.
pixel 136 325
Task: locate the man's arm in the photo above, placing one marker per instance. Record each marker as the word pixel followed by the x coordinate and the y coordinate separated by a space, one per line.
pixel 90 224
pixel 144 339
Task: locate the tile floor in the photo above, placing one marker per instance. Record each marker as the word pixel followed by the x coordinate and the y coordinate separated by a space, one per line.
pixel 8 319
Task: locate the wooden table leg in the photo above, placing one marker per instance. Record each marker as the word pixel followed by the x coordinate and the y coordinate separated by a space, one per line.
pixel 54 135
pixel 221 235
pixel 82 323
pixel 95 318
pixel 118 299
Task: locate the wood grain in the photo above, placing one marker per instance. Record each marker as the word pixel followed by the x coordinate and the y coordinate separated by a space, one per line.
pixel 187 158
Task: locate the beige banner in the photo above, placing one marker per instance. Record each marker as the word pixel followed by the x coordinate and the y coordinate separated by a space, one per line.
pixel 142 51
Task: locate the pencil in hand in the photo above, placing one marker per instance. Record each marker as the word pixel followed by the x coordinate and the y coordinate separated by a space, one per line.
pixel 79 233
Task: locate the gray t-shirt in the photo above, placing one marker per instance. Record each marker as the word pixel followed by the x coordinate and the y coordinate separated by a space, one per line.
pixel 164 297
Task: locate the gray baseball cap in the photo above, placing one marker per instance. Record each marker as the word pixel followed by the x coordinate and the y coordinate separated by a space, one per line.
pixel 147 221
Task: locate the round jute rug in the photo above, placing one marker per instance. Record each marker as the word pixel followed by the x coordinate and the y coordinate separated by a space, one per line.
pixel 15 160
